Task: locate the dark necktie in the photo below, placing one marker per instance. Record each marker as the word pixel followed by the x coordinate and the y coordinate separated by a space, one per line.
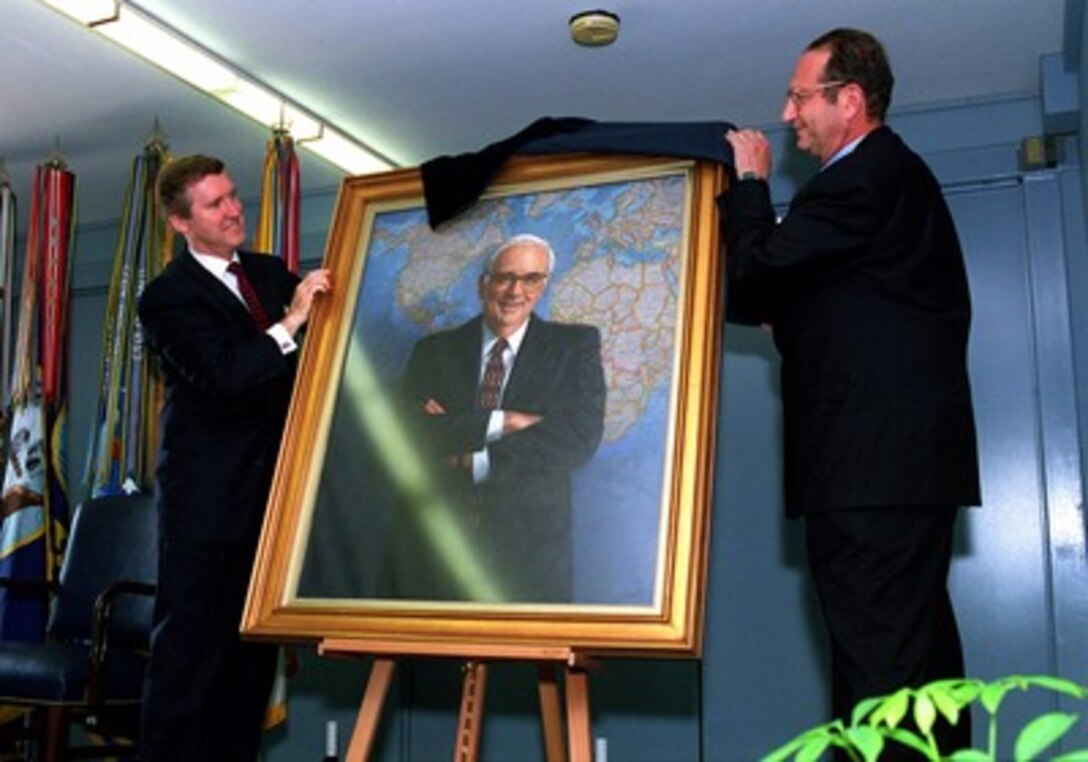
pixel 249 295
pixel 491 387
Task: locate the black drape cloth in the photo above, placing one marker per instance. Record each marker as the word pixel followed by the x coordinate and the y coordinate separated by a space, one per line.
pixel 452 184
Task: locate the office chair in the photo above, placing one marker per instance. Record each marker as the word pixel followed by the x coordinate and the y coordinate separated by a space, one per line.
pixel 90 666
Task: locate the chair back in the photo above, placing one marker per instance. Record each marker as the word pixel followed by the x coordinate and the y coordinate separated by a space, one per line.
pixel 111 539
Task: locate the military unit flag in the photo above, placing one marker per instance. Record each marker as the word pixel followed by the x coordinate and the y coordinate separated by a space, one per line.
pixel 35 490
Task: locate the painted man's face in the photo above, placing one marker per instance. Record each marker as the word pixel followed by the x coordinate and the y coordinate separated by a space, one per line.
pixel 513 286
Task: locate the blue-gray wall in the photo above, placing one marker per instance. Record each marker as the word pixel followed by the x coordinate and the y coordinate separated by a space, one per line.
pixel 1019 575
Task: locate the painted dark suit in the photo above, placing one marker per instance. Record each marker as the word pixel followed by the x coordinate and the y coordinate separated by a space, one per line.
pixel 517 523
pixel 227 391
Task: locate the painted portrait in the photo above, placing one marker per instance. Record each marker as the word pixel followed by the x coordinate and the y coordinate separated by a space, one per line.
pixel 590 523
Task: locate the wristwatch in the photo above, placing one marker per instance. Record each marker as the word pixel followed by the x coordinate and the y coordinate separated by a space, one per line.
pixel 749 175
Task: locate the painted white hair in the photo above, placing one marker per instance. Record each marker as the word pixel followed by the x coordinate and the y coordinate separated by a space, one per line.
pixel 518 240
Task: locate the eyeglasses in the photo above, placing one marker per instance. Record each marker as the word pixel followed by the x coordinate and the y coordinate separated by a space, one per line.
pixel 798 97
pixel 506 280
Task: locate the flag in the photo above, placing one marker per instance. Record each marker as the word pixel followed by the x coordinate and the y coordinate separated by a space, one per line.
pixel 121 453
pixel 35 492
pixel 278 234
pixel 7 261
pixel 278 224
pixel 7 258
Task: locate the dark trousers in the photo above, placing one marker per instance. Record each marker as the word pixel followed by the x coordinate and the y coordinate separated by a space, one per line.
pixel 207 690
pixel 881 575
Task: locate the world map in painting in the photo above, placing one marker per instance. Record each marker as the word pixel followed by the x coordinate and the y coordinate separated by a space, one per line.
pixel 619 266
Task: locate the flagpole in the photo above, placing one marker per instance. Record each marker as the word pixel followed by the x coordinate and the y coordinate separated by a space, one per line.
pixel 278 224
pixel 7 259
pixel 277 234
pixel 120 457
pixel 59 218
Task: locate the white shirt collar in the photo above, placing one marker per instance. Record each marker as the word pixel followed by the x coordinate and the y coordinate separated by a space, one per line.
pixel 845 151
pixel 513 340
pixel 217 266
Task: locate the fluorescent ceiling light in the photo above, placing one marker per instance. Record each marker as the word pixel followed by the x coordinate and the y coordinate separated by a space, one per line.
pixel 344 152
pixel 86 11
pixel 162 45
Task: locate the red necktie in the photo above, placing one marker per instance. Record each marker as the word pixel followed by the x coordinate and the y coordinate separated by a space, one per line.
pixel 491 388
pixel 249 295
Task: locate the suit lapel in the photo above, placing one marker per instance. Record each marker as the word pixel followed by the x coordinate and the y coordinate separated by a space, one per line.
pixel 267 289
pixel 465 362
pixel 216 290
pixel 531 361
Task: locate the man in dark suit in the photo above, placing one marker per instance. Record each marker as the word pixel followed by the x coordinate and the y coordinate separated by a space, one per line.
pixel 504 406
pixel 226 343
pixel 864 284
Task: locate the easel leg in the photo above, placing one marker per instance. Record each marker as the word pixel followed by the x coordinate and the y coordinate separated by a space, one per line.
pixel 551 714
pixel 467 746
pixel 370 713
pixel 578 723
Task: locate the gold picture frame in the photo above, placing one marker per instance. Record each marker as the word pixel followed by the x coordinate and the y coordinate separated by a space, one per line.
pixel 641 228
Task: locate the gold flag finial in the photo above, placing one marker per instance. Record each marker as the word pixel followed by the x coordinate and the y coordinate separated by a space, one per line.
pixel 57 159
pixel 157 138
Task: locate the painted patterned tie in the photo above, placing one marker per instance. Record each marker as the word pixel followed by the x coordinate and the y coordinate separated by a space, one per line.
pixel 491 387
pixel 249 295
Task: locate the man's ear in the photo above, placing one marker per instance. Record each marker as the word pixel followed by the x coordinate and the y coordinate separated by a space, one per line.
pixel 855 100
pixel 178 223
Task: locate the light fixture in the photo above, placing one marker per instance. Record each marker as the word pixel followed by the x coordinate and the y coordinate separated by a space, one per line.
pixel 594 28
pixel 155 41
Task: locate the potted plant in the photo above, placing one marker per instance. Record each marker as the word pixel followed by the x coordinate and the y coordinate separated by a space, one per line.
pixel 907 717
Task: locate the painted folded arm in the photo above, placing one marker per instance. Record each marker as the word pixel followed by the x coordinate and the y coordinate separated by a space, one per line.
pixel 570 420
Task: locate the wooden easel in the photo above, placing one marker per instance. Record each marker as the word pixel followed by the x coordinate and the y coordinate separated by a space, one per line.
pixel 466 745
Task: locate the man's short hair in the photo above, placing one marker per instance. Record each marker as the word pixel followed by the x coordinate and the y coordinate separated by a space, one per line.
pixel 858 57
pixel 176 177
pixel 518 240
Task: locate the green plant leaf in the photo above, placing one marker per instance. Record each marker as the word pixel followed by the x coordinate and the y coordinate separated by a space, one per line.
pixel 827 731
pixel 951 686
pixel 993 693
pixel 782 753
pixel 868 741
pixel 969 755
pixel 947 705
pixel 925 714
pixel 1080 755
pixel 892 709
pixel 864 707
pixel 1059 685
pixel 912 740
pixel 813 751
pixel 1041 733
pixel 967 691
pixel 788 749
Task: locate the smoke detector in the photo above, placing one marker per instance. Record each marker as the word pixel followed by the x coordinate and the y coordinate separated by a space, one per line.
pixel 594 28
